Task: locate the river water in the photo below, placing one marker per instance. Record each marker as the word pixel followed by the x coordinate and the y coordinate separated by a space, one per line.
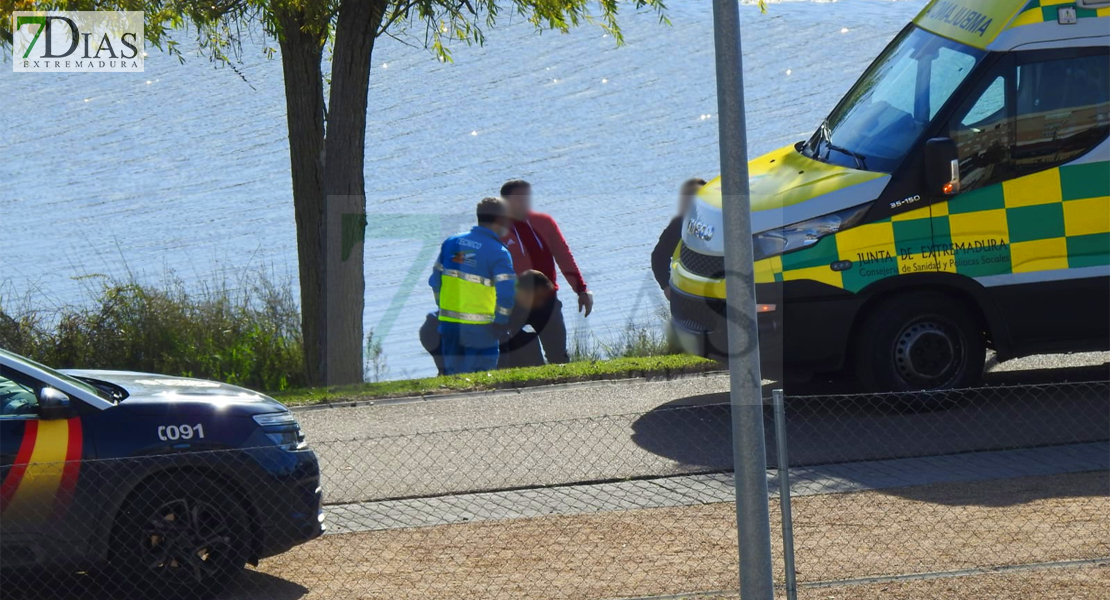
pixel 184 169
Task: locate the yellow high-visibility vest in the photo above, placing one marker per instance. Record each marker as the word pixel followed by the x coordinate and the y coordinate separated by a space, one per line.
pixel 468 298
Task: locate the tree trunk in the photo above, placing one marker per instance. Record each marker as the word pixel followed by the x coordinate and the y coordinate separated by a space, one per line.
pixel 344 188
pixel 301 53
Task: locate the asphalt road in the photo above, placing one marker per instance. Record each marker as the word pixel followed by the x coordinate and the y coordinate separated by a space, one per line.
pixel 616 430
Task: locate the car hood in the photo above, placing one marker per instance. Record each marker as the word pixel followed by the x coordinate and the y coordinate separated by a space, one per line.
pixel 149 388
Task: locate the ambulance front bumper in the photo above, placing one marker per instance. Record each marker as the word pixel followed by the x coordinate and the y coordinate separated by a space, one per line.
pixel 701 328
pixel 808 331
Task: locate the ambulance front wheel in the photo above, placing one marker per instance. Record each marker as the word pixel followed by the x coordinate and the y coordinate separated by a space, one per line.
pixel 919 341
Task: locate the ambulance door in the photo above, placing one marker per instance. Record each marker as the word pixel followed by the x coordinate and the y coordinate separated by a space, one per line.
pixel 1032 221
pixel 1058 203
pixel 969 229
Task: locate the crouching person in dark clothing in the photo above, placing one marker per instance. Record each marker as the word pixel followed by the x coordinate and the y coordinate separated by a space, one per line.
pixel 533 290
pixel 522 347
pixel 432 341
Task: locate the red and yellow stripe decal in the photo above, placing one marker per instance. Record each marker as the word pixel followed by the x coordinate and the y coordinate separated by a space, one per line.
pixel 41 482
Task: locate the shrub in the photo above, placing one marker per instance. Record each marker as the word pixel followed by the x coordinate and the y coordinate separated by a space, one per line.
pixel 635 340
pixel 248 335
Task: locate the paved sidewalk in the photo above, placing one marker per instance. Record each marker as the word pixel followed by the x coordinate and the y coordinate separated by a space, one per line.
pixel 711 488
pixel 674 428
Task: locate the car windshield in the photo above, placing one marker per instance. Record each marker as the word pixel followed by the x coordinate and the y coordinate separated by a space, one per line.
pixel 893 102
pixel 31 366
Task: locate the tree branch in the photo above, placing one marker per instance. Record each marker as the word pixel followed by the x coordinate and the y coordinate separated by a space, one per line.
pixel 398 14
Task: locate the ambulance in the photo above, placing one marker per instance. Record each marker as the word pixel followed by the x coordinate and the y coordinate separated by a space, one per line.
pixel 957 199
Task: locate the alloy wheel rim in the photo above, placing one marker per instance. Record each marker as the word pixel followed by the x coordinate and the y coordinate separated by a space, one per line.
pixel 186 538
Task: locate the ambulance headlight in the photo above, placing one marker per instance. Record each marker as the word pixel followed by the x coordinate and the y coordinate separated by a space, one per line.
pixel 806 233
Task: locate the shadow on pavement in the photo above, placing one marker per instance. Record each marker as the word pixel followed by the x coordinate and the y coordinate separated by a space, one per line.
pixel 1020 491
pixel 834 430
pixel 253 585
pixel 60 585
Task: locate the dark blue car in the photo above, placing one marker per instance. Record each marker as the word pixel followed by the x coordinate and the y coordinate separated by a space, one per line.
pixel 164 486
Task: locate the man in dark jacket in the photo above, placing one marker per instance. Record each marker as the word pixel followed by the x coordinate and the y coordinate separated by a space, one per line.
pixel 672 235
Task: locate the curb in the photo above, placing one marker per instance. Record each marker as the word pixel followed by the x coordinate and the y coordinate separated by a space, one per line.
pixel 516 389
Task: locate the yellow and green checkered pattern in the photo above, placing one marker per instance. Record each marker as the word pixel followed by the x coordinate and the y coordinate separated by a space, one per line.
pixel 1046 11
pixel 1054 219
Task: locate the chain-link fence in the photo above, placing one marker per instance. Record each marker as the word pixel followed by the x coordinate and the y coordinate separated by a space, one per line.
pixel 902 492
pixel 891 495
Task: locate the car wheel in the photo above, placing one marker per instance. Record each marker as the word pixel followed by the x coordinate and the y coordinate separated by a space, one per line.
pixel 182 537
pixel 919 341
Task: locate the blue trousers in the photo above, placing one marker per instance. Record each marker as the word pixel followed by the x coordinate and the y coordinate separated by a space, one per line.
pixel 467 348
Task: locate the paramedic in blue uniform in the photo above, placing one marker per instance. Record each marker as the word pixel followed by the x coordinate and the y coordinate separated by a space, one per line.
pixel 474 285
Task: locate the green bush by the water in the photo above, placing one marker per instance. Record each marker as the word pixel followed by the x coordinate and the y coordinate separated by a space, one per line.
pixel 248 335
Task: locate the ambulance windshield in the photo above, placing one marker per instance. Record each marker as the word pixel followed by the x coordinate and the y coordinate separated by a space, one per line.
pixel 893 102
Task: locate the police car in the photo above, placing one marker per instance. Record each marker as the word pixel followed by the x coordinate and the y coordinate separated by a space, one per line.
pixel 956 199
pixel 164 486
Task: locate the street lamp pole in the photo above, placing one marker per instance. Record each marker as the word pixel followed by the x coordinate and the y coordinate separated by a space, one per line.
pixel 749 452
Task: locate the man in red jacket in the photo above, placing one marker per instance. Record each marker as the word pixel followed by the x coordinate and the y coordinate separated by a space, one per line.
pixel 535 242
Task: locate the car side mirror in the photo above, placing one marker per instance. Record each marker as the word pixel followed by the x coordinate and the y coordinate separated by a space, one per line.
pixel 942 167
pixel 53 404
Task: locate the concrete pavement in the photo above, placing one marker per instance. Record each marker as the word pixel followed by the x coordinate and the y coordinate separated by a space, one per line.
pixel 611 431
pixel 552 403
pixel 687 490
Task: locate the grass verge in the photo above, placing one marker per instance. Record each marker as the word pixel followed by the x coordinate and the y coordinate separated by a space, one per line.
pixel 617 368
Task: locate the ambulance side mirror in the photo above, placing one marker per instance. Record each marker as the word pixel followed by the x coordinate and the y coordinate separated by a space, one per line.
pixel 53 404
pixel 942 167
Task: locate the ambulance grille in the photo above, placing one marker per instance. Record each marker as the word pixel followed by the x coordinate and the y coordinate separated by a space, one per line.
pixel 703 265
pixel 698 314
